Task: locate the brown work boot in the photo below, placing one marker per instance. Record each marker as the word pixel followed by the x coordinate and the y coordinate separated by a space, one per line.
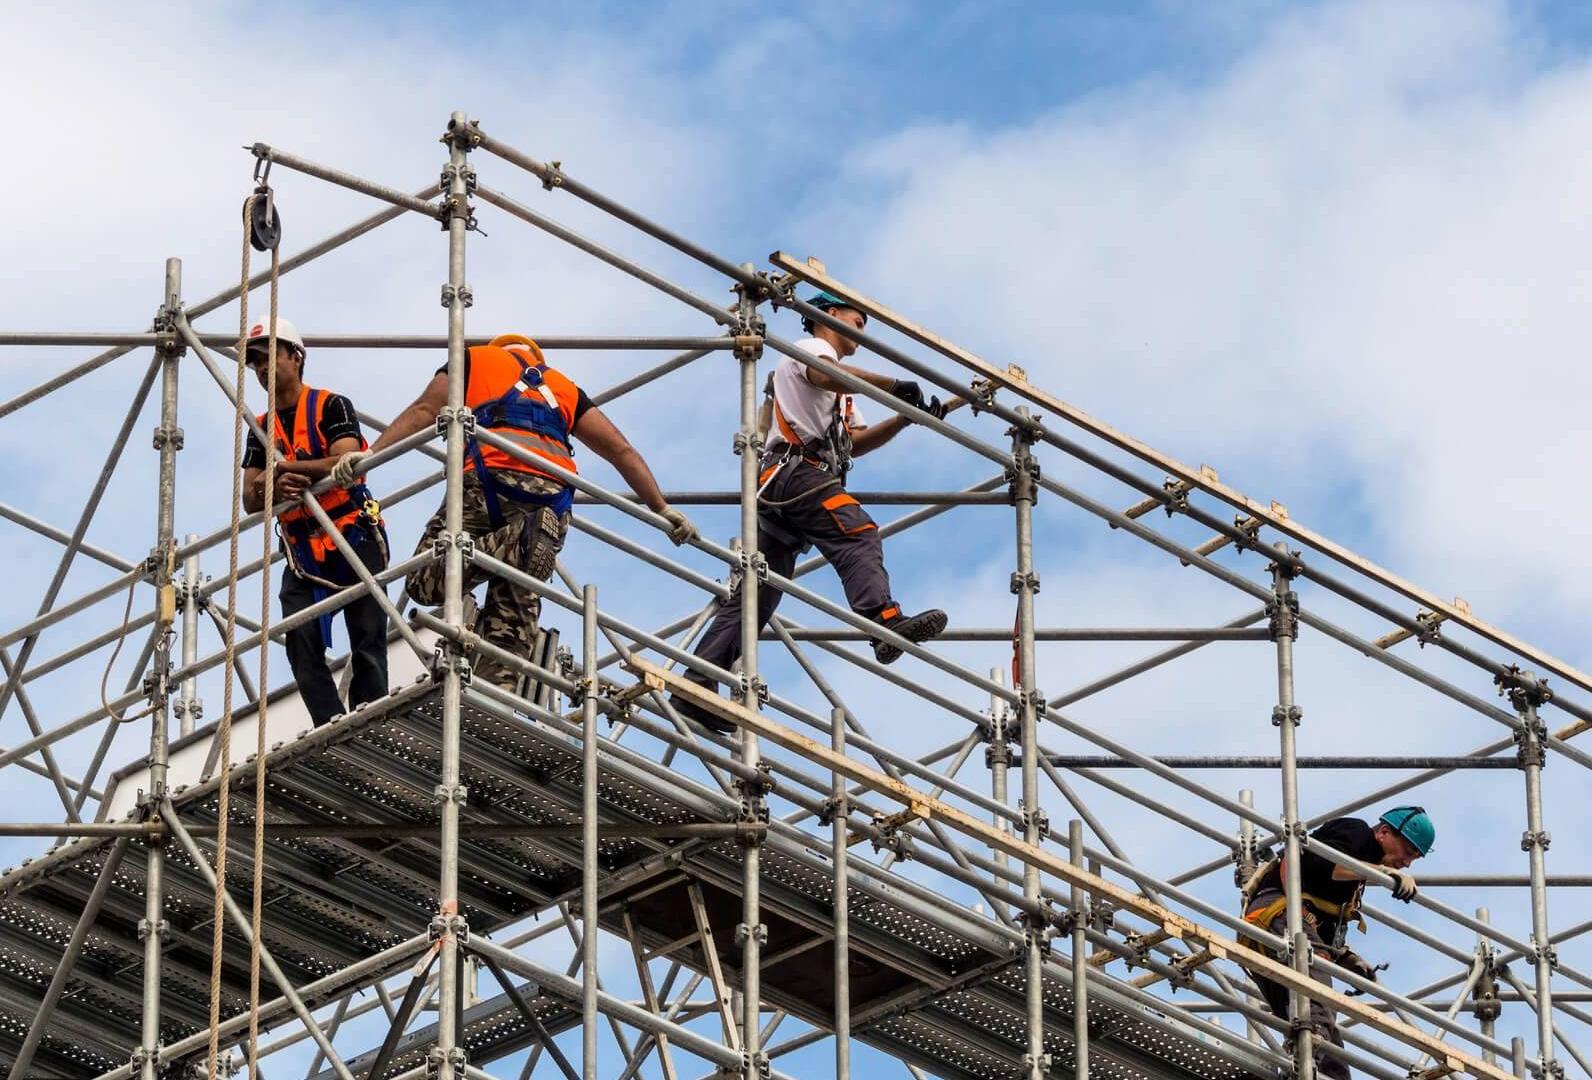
pixel 915 628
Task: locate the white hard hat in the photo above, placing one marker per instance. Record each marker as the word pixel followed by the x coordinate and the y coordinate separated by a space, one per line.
pixel 285 331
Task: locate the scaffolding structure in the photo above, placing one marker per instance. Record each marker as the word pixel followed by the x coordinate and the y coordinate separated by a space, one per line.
pixel 411 842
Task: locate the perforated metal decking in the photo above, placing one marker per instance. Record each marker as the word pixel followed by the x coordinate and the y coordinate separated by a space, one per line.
pixel 941 991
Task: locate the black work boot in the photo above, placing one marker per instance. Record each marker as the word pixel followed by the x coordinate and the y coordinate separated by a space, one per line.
pixel 915 628
pixel 699 716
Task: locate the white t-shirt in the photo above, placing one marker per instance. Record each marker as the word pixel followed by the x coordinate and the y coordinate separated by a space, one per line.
pixel 806 407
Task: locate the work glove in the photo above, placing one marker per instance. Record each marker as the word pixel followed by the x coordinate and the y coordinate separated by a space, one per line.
pixel 909 392
pixel 1403 884
pixel 680 528
pixel 348 468
pixel 1350 960
pixel 936 408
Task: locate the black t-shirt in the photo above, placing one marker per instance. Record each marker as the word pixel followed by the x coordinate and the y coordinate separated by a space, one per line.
pixel 582 401
pixel 338 421
pixel 1346 834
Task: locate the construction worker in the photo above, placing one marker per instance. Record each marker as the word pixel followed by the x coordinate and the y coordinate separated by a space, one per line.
pixel 312 429
pixel 815 430
pixel 514 511
pixel 1331 901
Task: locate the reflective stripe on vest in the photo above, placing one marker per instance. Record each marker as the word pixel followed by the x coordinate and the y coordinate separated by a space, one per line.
pixel 500 383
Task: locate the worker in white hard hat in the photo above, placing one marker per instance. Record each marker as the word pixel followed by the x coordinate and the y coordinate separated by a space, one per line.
pixel 815 430
pixel 312 428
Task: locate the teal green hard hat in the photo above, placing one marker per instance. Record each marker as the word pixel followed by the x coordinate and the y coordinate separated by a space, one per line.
pixel 1412 823
pixel 825 300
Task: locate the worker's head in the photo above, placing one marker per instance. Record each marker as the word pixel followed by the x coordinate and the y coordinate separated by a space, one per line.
pixel 1406 833
pixel 834 306
pixel 289 350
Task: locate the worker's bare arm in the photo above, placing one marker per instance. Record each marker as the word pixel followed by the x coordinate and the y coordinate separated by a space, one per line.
pixel 288 486
pixel 825 381
pixel 320 468
pixel 599 434
pixel 419 415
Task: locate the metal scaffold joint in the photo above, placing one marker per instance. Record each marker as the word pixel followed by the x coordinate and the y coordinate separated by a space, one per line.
pixel 749 687
pixel 1036 819
pixel 1292 714
pixel 457 1059
pixel 447 415
pixel 462 294
pixel 1283 613
pixel 1029 581
pixel 450 656
pixel 450 793
pixel 442 926
pixel 1523 689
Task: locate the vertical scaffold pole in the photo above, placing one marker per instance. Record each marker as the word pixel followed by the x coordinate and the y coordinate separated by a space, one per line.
pixel 1284 612
pixel 1526 692
pixel 1485 993
pixel 998 758
pixel 168 440
pixel 1080 958
pixel 754 807
pixel 189 708
pixel 1245 860
pixel 448 1055
pixel 588 853
pixel 1025 582
pixel 839 816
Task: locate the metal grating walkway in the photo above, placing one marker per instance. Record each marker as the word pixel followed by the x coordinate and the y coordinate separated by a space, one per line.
pixel 942 992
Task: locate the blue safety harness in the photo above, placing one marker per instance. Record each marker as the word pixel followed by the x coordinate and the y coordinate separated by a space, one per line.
pixel 537 413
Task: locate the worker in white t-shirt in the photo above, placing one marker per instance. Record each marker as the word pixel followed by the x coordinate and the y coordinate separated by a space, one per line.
pixel 814 431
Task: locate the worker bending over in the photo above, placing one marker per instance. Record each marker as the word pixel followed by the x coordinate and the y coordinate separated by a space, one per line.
pixel 514 511
pixel 312 429
pixel 1331 901
pixel 816 431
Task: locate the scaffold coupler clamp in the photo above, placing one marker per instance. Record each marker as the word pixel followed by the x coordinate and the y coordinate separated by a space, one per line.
pixel 751 1064
pixel 981 395
pixel 448 656
pixel 1037 819
pixel 1292 714
pixel 1282 614
pixel 1045 1062
pixel 1523 689
pixel 1029 581
pixel 446 416
pixel 458 1058
pixel 1487 1004
pixel 442 925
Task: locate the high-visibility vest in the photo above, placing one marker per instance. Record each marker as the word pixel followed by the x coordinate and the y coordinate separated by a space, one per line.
pixel 520 399
pixel 312 553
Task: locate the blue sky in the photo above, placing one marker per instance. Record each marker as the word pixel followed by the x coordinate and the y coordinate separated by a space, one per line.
pixel 1337 251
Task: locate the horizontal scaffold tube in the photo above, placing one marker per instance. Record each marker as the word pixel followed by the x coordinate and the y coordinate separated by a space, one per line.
pixel 921 805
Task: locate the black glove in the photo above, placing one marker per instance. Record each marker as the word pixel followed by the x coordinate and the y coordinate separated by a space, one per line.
pixel 935 408
pixel 1350 960
pixel 909 392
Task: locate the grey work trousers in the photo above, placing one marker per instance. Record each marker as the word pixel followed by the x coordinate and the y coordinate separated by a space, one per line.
pixel 804 504
pixel 1323 1024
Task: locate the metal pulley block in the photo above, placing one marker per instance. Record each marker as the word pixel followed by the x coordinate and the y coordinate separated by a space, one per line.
pixel 265 224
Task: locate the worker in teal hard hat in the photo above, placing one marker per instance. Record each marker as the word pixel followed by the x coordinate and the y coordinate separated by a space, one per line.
pixel 1330 902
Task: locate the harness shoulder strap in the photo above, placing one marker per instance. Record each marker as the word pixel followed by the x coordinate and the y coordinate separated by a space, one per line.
pixel 313 402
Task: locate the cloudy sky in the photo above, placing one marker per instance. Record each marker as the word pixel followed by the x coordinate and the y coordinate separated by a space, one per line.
pixel 1334 250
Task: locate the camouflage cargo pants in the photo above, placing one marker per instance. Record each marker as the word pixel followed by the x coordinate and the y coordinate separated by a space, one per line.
pixel 529 539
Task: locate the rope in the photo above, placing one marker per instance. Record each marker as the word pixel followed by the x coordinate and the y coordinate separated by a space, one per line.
pixel 258 890
pixel 105 679
pixel 224 724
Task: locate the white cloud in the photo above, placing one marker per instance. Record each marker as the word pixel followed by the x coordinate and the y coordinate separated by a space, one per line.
pixel 1353 260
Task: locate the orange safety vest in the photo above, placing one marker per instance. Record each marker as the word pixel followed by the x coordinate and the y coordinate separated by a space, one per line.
pixel 309 549
pixel 516 396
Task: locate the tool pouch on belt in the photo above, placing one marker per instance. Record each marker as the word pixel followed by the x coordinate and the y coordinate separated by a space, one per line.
pixel 849 516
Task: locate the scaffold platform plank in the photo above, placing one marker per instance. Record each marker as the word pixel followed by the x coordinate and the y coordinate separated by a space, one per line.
pixel 941 991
